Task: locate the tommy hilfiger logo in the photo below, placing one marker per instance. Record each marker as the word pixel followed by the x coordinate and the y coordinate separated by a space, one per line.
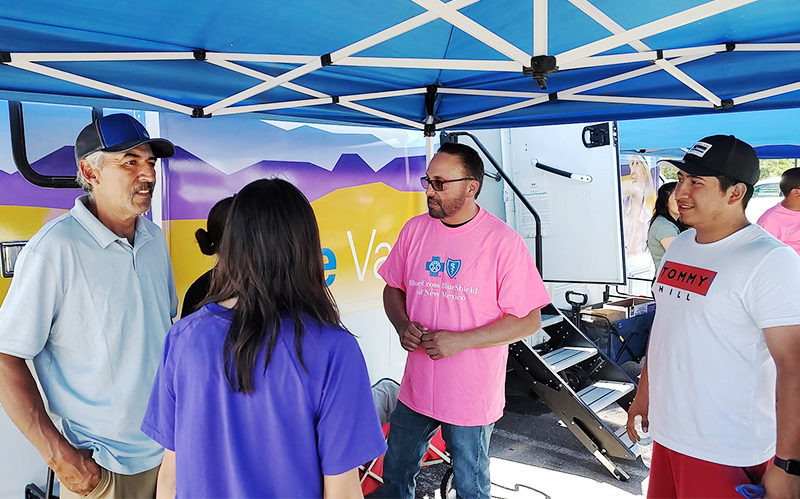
pixel 435 267
pixel 686 277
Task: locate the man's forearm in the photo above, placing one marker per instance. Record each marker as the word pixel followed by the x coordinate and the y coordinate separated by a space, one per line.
pixel 784 346
pixel 788 412
pixel 394 302
pixel 505 330
pixel 22 402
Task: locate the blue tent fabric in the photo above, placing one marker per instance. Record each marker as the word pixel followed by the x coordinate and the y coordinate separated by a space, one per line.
pixel 664 137
pixel 313 28
pixel 778 152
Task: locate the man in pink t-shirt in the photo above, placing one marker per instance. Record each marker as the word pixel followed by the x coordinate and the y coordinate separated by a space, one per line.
pixel 783 219
pixel 460 286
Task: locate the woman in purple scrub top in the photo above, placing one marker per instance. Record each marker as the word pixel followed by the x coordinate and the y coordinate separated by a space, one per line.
pixel 262 392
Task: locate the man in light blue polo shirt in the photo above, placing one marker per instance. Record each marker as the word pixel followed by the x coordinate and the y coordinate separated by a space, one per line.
pixel 91 301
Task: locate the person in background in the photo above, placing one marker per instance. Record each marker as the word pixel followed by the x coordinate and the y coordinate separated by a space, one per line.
pixel 783 219
pixel 664 226
pixel 208 240
pixel 720 390
pixel 262 392
pixel 91 300
pixel 635 191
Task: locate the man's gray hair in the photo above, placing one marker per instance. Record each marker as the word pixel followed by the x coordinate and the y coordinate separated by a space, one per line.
pixel 96 159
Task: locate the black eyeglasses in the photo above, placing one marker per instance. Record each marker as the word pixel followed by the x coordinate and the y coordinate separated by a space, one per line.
pixel 437 184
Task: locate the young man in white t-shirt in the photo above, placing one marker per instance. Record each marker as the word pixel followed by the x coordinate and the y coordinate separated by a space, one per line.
pixel 726 338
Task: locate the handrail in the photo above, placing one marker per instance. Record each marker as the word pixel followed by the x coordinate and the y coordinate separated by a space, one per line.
pixel 20 153
pixel 453 137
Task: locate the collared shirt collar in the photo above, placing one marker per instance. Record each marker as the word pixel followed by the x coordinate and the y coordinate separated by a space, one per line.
pixel 102 234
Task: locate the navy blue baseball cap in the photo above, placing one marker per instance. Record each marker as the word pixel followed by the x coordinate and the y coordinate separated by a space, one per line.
pixel 118 133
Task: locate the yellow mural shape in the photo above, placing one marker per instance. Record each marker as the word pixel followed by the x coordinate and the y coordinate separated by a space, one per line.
pixel 20 223
pixel 358 227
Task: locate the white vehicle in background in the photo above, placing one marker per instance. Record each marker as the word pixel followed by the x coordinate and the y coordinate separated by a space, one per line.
pixel 767 194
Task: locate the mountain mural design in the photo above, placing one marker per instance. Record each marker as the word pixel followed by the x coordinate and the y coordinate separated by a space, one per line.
pixel 194 185
pixel 16 191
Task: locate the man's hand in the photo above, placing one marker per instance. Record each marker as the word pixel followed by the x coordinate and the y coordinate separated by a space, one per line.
pixel 780 485
pixel 77 471
pixel 411 336
pixel 639 407
pixel 441 344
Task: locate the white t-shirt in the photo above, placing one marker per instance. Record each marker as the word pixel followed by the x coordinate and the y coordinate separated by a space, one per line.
pixel 711 376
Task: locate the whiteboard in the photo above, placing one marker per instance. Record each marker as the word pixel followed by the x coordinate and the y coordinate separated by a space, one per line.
pixel 581 222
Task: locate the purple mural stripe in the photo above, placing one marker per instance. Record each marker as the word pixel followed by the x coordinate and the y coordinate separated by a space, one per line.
pixel 194 185
pixel 58 163
pixel 16 191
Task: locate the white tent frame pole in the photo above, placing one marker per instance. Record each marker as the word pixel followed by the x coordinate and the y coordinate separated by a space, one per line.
pixel 237 68
pixel 783 89
pixel 98 85
pixel 438 64
pixel 477 31
pixel 272 106
pixel 626 76
pixel 389 62
pixel 540 25
pixel 563 94
pixel 491 112
pixel 648 56
pixel 652 28
pixel 604 20
pixel 381 114
pixel 315 93
pixel 317 102
pixel 382 95
pixel 220 58
pixel 490 93
pixel 429 145
pixel 100 56
pixel 349 50
pixel 267 58
pixel 613 99
pixel 689 82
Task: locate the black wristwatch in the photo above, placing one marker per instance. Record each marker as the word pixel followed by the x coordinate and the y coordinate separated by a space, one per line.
pixel 788 465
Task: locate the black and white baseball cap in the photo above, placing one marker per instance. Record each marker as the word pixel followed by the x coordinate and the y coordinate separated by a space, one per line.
pixel 721 155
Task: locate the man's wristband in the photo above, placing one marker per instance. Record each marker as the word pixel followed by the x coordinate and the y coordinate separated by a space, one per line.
pixel 790 466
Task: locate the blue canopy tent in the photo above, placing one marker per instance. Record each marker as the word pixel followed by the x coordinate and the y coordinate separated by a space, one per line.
pixel 772 133
pixel 778 152
pixel 422 64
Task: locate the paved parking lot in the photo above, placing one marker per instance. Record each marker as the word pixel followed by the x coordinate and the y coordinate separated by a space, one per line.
pixel 534 456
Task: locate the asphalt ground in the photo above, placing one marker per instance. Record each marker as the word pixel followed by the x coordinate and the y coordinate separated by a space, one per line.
pixel 534 456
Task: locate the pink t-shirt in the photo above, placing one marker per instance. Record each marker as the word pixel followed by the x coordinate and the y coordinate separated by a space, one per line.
pixel 458 279
pixel 784 224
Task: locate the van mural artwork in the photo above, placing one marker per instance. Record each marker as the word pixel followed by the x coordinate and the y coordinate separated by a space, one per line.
pixel 363 184
pixel 639 184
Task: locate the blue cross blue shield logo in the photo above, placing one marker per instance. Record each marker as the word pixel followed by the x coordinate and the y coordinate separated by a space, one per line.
pixel 452 267
pixel 434 267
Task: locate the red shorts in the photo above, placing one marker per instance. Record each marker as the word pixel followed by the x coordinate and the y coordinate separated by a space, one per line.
pixel 675 475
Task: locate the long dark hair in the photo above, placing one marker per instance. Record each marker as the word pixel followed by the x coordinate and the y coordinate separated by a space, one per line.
pixel 662 206
pixel 270 260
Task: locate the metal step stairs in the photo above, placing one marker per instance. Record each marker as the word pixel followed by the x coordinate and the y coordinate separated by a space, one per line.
pixel 577 381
